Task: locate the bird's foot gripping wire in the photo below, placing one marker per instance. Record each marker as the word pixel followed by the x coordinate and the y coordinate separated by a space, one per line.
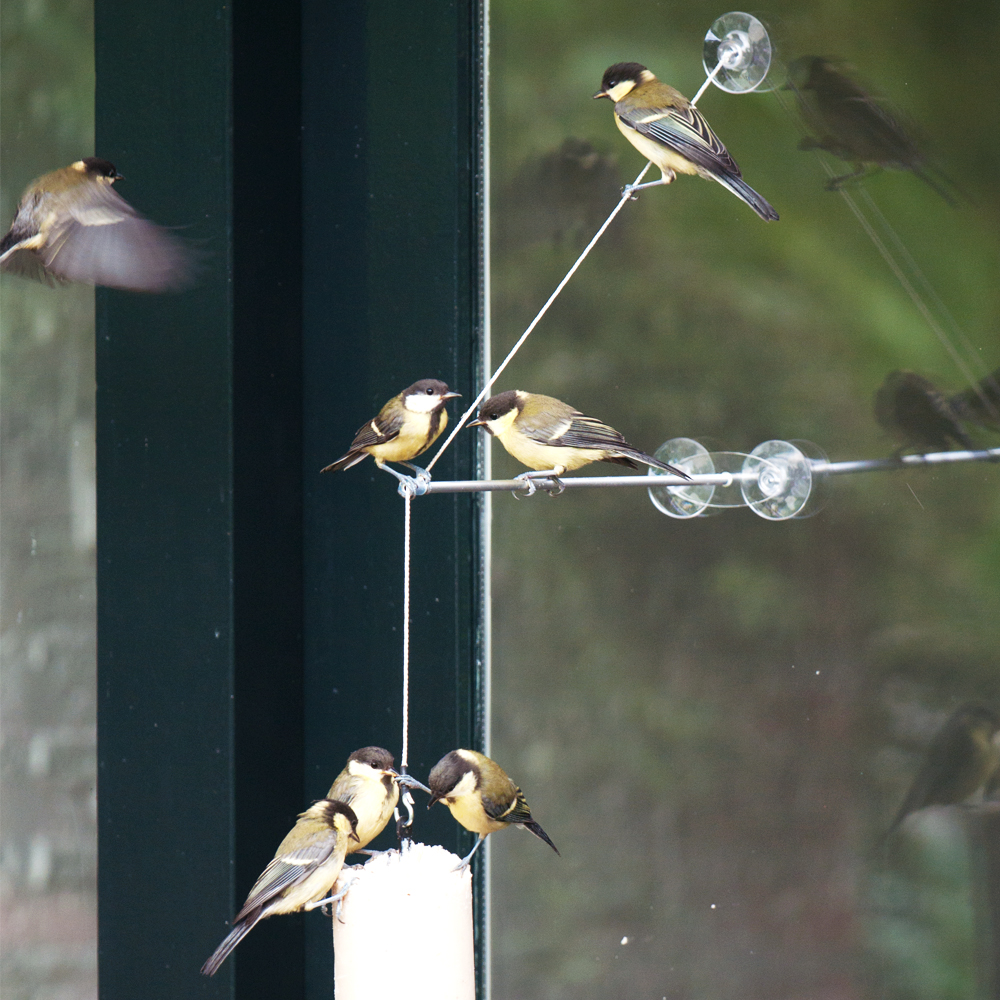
pixel 530 488
pixel 338 899
pixel 413 486
pixel 630 189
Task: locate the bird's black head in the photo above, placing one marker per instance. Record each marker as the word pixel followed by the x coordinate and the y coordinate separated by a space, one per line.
pixel 497 406
pixel 447 773
pixel 614 76
pixel 427 395
pixel 96 167
pixel 335 806
pixel 376 757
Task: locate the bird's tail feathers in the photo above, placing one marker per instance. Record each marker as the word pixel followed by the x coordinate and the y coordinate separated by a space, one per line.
pixel 655 463
pixel 534 828
pixel 742 190
pixel 345 461
pixel 229 942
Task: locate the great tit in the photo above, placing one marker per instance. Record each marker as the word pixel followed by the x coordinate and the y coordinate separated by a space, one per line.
pixel 962 758
pixel 480 796
pixel 71 225
pixel 981 404
pixel 546 434
pixel 851 124
pixel 304 870
pixel 667 129
pixel 405 427
pixel 368 785
pixel 912 409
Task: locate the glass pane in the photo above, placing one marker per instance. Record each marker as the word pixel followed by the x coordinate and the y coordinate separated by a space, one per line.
pixel 716 720
pixel 47 533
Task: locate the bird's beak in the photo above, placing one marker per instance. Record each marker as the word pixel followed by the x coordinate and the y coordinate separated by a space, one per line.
pixel 355 837
pixel 476 423
pixel 434 798
pixel 390 772
pixel 601 93
pixel 118 177
pixel 451 395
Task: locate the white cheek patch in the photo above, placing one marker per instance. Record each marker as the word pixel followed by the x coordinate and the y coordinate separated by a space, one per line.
pixel 422 403
pixel 619 90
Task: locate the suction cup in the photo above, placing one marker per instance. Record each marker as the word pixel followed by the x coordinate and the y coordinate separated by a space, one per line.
pixel 778 480
pixel 740 43
pixel 688 500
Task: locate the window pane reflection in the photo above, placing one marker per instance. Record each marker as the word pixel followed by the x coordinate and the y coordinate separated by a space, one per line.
pixel 48 856
pixel 717 720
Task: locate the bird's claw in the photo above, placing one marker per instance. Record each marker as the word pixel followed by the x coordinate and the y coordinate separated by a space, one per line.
pixel 410 782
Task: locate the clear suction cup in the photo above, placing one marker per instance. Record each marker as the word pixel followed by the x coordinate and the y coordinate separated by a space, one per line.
pixel 684 501
pixel 741 44
pixel 778 480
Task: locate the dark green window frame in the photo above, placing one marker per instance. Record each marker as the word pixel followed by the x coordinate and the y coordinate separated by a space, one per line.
pixel 328 158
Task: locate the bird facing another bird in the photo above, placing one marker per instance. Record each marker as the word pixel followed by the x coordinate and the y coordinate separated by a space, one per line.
pixel 480 796
pixel 671 132
pixel 403 429
pixel 544 433
pixel 70 225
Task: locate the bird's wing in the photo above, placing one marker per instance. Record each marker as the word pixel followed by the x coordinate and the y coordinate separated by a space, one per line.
pixel 288 869
pixel 683 130
pixel 27 264
pixel 589 432
pixel 507 807
pixel 98 238
pixel 378 430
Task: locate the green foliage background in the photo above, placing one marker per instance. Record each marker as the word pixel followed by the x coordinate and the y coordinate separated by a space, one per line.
pixel 715 720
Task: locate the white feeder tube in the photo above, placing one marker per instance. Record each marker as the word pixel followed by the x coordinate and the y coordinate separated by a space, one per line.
pixel 407 929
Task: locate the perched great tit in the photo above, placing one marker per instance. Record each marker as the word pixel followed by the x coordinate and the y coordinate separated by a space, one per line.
pixel 667 129
pixel 480 796
pixel 405 427
pixel 304 870
pixel 851 124
pixel 962 758
pixel 368 785
pixel 546 434
pixel 71 225
pixel 912 409
pixel 981 404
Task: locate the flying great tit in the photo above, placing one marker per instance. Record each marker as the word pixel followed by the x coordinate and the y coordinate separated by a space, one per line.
pixel 405 427
pixel 851 124
pixel 911 408
pixel 480 796
pixel 304 870
pixel 71 225
pixel 544 433
pixel 962 758
pixel 666 128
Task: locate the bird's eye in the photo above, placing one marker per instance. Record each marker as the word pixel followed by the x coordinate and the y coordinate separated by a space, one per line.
pixel 430 392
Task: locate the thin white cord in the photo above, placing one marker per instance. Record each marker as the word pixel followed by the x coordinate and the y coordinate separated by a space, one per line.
pixel 531 326
pixel 626 194
pixel 407 501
